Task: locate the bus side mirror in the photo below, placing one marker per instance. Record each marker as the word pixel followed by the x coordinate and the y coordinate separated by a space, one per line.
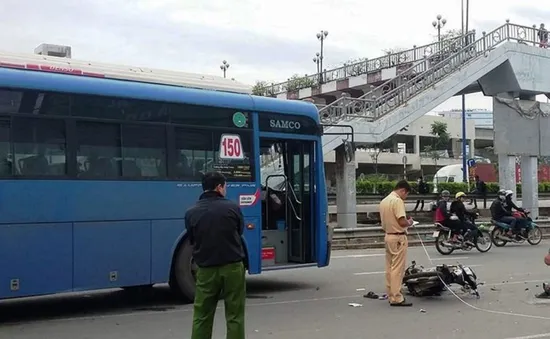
pixel 349 149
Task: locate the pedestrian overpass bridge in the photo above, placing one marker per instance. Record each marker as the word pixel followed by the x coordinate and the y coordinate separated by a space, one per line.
pixel 503 62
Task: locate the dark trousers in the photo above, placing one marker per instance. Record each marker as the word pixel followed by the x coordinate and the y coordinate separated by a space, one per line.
pixel 418 203
pixel 226 281
pixel 467 226
pixel 509 220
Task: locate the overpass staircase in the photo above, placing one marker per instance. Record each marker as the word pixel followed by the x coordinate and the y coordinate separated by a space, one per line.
pixel 418 90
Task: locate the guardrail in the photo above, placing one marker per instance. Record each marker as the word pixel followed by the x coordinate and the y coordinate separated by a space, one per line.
pixel 376 198
pixel 373 236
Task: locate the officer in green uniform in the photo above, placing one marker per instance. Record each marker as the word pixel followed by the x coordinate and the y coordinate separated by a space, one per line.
pixel 214 227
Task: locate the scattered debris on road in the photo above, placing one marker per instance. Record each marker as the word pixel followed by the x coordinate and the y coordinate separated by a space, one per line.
pixel 422 310
pixel 371 295
pixel 355 305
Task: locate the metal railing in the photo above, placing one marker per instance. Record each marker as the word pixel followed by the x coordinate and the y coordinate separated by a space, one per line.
pixel 370 65
pixel 422 77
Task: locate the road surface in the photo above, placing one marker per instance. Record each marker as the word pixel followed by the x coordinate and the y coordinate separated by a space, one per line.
pixel 313 304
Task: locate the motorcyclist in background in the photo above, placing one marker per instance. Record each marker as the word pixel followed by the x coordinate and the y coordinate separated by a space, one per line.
pixel 510 206
pixel 441 211
pixel 459 209
pixel 500 213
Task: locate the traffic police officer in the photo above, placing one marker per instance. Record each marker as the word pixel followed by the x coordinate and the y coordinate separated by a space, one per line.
pixel 214 227
pixel 395 223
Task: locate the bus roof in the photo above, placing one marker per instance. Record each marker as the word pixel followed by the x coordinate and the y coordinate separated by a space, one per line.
pixel 56 82
pixel 69 66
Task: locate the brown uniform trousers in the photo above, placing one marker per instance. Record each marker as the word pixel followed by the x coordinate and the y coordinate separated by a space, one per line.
pixel 396 256
pixel 392 208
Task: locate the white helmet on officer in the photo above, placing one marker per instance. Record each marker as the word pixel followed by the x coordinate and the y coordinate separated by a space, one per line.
pixel 501 194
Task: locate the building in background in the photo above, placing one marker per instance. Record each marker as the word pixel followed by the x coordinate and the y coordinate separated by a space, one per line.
pixel 483 118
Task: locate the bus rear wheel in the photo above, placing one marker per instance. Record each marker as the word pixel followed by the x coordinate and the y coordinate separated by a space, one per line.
pixel 184 272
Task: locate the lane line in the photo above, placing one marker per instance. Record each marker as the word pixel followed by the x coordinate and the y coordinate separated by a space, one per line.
pixel 184 309
pixel 534 336
pixel 383 272
pixel 358 256
pixel 355 256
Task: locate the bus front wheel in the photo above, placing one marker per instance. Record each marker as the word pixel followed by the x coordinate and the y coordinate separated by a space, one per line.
pixel 184 272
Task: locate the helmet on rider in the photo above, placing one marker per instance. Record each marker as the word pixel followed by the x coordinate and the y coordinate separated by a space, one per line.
pixel 460 195
pixel 445 194
pixel 501 194
pixel 508 193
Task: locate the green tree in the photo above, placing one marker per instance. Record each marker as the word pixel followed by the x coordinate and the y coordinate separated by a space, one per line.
pixel 297 82
pixel 449 34
pixel 356 66
pixel 394 50
pixel 262 88
pixel 378 148
pixel 440 141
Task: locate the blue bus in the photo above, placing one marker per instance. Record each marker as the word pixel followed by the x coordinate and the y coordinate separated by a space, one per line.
pixel 96 175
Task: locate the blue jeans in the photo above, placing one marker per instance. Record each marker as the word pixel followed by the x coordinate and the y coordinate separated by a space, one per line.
pixel 509 220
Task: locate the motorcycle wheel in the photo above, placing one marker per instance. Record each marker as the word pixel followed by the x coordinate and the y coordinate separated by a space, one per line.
pixel 534 237
pixel 494 236
pixel 443 237
pixel 484 242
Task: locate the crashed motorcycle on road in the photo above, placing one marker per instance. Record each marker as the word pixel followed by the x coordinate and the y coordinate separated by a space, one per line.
pixel 422 282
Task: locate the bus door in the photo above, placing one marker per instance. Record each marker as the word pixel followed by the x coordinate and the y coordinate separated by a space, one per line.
pixel 287 202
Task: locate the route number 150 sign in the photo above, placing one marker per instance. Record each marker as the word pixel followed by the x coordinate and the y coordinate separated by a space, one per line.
pixel 231 147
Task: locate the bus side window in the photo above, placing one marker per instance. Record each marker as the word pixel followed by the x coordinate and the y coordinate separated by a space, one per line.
pixel 39 146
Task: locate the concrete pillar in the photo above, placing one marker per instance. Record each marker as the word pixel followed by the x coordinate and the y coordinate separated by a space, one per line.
pixel 507 172
pixel 416 144
pixel 456 147
pixel 471 152
pixel 346 200
pixel 530 185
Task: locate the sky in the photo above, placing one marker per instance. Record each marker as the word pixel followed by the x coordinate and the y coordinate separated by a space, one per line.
pixel 261 40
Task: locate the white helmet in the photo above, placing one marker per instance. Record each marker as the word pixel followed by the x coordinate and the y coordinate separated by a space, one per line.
pixel 508 193
pixel 501 194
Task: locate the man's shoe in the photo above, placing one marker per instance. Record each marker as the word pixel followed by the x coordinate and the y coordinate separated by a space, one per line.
pixel 404 303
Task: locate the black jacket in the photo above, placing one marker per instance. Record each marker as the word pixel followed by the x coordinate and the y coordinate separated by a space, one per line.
pixel 214 226
pixel 498 210
pixel 509 205
pixel 458 208
pixel 423 188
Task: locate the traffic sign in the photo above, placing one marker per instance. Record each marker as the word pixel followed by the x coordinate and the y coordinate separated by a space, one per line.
pixel 404 160
pixel 471 162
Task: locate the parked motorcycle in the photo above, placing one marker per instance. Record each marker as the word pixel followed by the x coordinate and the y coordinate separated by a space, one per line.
pixel 500 234
pixel 448 240
pixel 423 282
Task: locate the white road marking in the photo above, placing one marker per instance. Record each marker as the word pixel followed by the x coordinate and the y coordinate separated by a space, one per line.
pixel 383 272
pixel 184 309
pixel 534 336
pixel 355 256
pixel 515 282
pixel 450 258
pixel 373 255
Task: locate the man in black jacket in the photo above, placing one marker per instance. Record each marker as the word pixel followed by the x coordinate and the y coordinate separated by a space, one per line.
pixel 500 213
pixel 214 227
pixel 458 209
pixel 422 189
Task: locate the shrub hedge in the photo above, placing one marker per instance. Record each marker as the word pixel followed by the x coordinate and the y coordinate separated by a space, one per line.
pixel 385 187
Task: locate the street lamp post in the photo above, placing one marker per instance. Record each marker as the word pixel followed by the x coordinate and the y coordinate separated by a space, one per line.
pixel 317 60
pixel 224 66
pixel 439 24
pixel 465 175
pixel 321 36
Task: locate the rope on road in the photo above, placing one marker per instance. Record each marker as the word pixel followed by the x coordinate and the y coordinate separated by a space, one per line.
pixel 473 306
